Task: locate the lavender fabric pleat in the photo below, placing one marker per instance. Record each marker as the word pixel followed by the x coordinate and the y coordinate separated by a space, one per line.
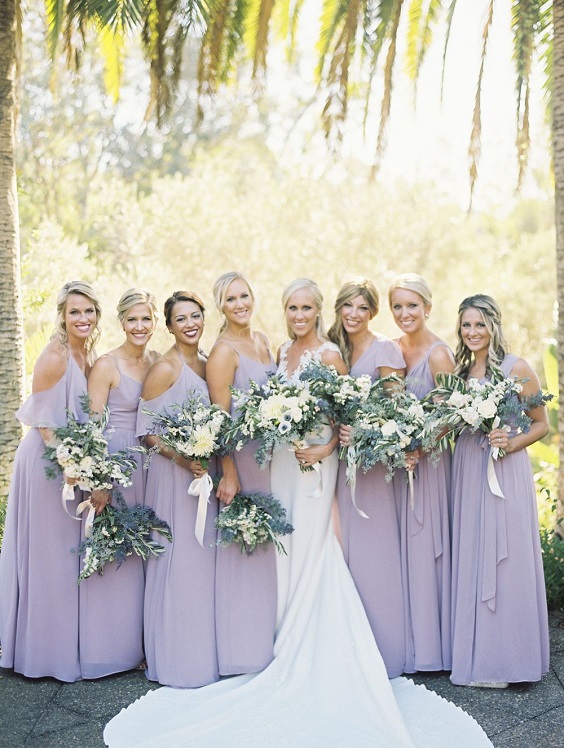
pixel 499 612
pixel 371 546
pixel 425 547
pixel 179 611
pixel 246 593
pixel 39 594
pixel 111 606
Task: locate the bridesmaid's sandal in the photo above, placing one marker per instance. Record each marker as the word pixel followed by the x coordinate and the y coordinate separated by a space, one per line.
pixel 488 685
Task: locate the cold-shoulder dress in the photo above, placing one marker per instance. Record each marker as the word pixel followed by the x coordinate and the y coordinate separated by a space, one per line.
pixel 39 593
pixel 179 611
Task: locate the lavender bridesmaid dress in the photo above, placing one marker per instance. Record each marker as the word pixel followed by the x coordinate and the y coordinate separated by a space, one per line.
pixel 425 547
pixel 117 596
pixel 246 595
pixel 372 546
pixel 499 614
pixel 38 573
pixel 180 644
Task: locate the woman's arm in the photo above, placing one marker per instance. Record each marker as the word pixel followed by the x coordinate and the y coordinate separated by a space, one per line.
pixel 103 377
pixel 539 427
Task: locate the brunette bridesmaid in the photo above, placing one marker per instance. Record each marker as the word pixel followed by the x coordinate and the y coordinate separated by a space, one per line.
pixel 246 597
pixel 179 612
pixel 423 510
pixel 39 594
pixel 371 541
pixel 115 381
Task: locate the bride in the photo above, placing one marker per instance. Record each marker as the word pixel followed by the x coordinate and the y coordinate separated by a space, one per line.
pixel 327 685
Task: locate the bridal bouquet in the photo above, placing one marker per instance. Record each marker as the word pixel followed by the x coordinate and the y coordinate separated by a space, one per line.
pixel 340 395
pixel 385 429
pixel 118 532
pixel 195 429
pixel 251 520
pixel 276 413
pixel 457 404
pixel 81 451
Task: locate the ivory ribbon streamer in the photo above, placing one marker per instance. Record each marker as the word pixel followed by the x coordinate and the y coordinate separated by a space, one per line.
pixel 410 480
pixel 202 488
pixel 89 519
pixel 493 482
pixel 66 496
pixel 351 477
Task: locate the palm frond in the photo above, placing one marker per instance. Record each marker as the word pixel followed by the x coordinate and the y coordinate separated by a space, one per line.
pixel 55 15
pixel 526 24
pixel 377 21
pixel 449 17
pixel 475 145
pixel 112 44
pixel 166 26
pixel 420 34
pixel 337 79
pixel 259 13
pixel 388 80
pixel 286 16
pixel 333 13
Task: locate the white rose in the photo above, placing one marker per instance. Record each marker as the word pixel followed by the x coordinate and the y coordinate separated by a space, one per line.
pixel 389 428
pixel 487 409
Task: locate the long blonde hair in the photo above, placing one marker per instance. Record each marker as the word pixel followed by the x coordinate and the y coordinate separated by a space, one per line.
pixel 491 314
pixel 349 291
pixel 220 288
pixel 300 284
pixel 83 289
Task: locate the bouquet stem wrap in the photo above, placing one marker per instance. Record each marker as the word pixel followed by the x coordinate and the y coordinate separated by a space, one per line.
pixel 202 488
pixel 87 504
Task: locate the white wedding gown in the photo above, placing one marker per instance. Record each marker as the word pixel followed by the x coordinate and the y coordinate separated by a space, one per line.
pixel 327 685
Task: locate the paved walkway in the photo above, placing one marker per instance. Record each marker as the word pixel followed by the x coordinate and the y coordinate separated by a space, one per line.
pixel 47 714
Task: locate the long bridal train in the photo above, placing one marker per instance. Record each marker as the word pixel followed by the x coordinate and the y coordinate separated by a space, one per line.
pixel 327 686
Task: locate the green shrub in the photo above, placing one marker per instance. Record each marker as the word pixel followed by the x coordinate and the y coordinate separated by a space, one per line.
pixel 552 545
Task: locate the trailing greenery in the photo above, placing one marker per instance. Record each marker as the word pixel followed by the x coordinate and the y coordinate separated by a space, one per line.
pixel 552 544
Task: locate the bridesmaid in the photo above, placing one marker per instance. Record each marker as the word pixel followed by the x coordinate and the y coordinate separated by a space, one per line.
pixel 371 545
pixel 39 594
pixel 179 611
pixel 499 614
pixel 424 527
pixel 115 381
pixel 245 585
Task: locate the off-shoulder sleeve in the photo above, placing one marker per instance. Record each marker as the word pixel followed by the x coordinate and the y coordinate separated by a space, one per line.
pixel 46 409
pixel 389 354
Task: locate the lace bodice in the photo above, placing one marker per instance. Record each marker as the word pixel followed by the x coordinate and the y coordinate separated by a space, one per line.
pixel 306 357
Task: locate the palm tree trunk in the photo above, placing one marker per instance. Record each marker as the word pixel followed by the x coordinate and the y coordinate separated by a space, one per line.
pixel 11 326
pixel 558 155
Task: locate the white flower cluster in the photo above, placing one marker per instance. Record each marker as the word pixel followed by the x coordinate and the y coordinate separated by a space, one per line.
pixel 481 400
pixel 90 463
pixel 195 429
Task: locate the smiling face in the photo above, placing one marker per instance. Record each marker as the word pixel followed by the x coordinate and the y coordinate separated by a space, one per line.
pixel 355 315
pixel 187 322
pixel 301 313
pixel 79 317
pixel 474 332
pixel 138 324
pixel 408 309
pixel 238 304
